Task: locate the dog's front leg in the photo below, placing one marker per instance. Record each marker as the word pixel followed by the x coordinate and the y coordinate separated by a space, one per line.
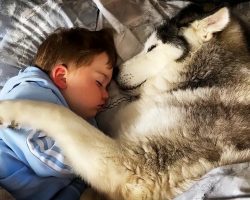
pixel 93 155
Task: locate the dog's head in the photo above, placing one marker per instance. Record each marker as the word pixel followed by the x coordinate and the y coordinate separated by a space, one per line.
pixel 170 50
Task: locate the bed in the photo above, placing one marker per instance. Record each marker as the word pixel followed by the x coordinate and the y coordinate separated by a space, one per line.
pixel 24 24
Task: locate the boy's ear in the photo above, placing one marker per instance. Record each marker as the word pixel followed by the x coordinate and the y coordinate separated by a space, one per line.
pixel 58 76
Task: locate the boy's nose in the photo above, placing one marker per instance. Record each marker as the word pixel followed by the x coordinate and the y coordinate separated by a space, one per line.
pixel 105 94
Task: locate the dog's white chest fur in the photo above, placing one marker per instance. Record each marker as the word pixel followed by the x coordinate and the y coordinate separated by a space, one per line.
pixel 142 117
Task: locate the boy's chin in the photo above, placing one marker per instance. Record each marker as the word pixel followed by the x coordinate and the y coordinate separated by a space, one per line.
pixel 92 113
pixel 88 115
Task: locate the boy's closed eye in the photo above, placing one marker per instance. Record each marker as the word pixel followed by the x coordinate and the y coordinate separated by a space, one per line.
pixel 101 79
pixel 99 83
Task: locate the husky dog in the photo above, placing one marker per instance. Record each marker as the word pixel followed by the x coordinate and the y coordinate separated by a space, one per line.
pixel 190 113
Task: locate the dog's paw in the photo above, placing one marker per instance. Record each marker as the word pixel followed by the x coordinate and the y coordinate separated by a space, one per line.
pixel 7 115
pixel 13 124
pixel 8 124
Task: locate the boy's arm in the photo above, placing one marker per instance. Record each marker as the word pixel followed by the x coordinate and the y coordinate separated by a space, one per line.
pixel 22 182
pixel 23 171
pixel 73 191
pixel 38 151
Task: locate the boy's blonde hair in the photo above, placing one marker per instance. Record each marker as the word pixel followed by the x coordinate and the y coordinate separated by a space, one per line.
pixel 74 46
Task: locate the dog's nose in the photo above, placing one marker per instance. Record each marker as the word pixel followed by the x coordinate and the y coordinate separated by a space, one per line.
pixel 115 72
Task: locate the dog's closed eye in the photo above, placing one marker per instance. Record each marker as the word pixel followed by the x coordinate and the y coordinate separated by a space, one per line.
pixel 151 48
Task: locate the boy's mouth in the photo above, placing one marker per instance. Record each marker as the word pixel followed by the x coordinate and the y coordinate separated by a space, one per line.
pixel 100 107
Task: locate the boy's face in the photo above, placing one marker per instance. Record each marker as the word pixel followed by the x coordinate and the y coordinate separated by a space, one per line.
pixel 86 86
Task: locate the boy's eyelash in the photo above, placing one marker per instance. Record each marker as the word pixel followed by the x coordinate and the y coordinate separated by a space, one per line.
pixel 98 83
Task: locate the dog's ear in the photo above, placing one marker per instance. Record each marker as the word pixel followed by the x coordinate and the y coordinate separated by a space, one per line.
pixel 214 23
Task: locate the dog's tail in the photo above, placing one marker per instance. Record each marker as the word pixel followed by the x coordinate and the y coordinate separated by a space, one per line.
pixel 93 155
